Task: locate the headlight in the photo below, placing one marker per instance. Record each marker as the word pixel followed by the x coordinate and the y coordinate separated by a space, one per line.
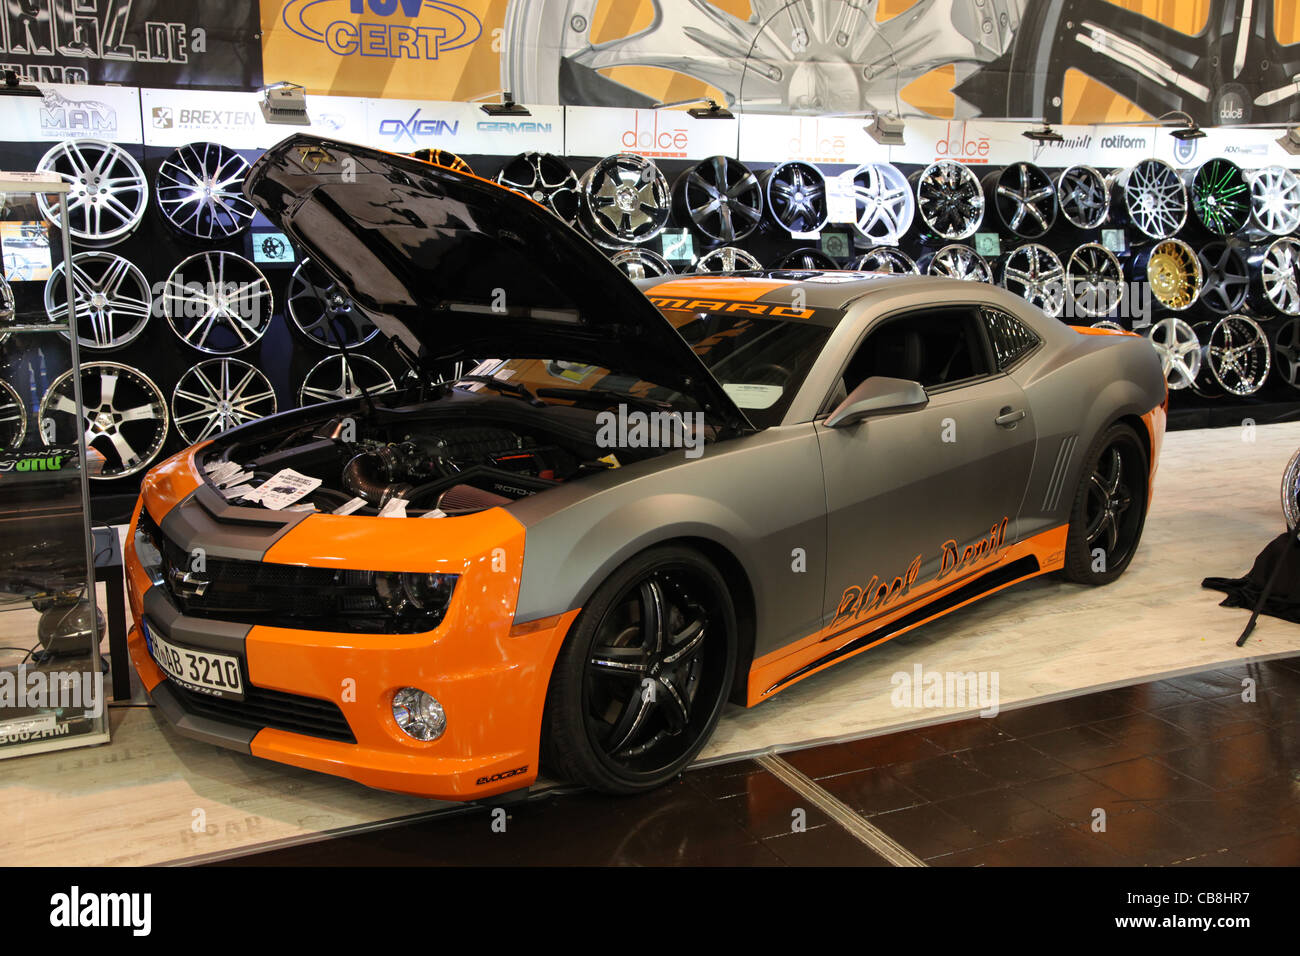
pixel 419 714
pixel 146 551
pixel 420 595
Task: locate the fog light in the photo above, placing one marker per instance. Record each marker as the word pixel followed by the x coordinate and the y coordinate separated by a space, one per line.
pixel 419 714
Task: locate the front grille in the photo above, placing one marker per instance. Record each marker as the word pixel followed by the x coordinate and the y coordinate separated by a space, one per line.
pixel 280 595
pixel 270 708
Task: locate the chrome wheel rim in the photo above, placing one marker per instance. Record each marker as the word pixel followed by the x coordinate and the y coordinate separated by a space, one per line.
pixel 337 377
pixel 1034 273
pixel 546 179
pixel 796 196
pixel 887 260
pixel 1238 354
pixel 1095 280
pixel 641 263
pixel 720 198
pixel 13 418
pixel 7 315
pixel 1025 199
pixel 1109 324
pixel 219 394
pixel 218 302
pixel 1291 493
pixel 112 304
pixel 1179 349
pixel 883 202
pixel 323 312
pixel 1221 197
pixel 1154 198
pixel 107 189
pixel 1286 352
pixel 726 259
pixel 124 419
pixel 1174 274
pixel 959 262
pixel 625 200
pixel 200 190
pixel 1227 277
pixel 1083 196
pixel 1279 273
pixel 950 200
pixel 1275 200
pixel 807 260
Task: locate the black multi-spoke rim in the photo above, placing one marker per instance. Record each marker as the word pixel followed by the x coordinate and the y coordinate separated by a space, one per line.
pixel 1083 196
pixel 200 190
pixel 1227 277
pixel 656 670
pixel 323 311
pixel 1286 352
pixel 546 179
pixel 796 196
pixel 721 198
pixel 949 199
pixel 1114 502
pixel 1221 197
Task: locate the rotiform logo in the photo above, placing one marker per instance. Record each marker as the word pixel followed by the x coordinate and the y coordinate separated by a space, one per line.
pixel 1120 141
pixel 75 909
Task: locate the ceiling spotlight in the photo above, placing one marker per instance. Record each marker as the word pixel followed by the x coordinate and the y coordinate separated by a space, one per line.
pixel 1044 135
pixel 1190 131
pixel 1290 141
pixel 712 111
pixel 285 104
pixel 11 84
pixel 507 107
pixel 886 130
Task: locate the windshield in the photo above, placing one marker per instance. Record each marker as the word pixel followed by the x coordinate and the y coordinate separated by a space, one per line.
pixel 760 362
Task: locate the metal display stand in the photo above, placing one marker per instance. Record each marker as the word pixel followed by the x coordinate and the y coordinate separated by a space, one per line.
pixel 53 688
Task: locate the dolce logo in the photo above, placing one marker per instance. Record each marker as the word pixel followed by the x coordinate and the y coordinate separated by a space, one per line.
pixel 812 141
pixel 957 145
pixel 651 137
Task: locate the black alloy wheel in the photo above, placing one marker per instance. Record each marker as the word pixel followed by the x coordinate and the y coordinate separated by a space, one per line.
pixel 1109 509
pixel 642 678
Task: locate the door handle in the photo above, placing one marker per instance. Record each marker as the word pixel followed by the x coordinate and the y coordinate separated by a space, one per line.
pixel 1009 417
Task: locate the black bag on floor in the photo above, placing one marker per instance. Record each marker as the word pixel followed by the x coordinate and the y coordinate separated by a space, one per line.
pixel 1279 563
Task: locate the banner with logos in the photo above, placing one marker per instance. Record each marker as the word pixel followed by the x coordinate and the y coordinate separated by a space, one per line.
pixel 403 126
pixel 655 134
pixel 175 117
pixel 72 112
pixel 160 43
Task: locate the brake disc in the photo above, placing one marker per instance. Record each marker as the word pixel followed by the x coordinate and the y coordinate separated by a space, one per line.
pixel 1024 197
pixel 720 198
pixel 1179 350
pixel 123 415
pixel 546 179
pixel 726 259
pixel 956 261
pixel 219 394
pixel 1034 273
pixel 796 196
pixel 1083 195
pixel 624 200
pixel 1095 280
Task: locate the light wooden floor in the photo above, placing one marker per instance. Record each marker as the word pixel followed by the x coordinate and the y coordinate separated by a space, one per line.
pixel 152 796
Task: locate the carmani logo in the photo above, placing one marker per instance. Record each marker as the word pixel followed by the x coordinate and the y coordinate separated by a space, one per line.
pixel 75 909
pixel 428 28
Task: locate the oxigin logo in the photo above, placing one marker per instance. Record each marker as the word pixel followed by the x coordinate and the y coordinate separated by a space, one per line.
pixel 395 29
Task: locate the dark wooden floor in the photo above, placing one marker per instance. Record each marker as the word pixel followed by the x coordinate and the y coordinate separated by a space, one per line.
pixel 1182 772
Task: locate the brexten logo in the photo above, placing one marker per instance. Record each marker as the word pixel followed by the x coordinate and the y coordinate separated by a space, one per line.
pixel 394 29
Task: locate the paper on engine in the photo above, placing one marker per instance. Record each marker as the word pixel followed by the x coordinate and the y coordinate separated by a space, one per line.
pixel 284 488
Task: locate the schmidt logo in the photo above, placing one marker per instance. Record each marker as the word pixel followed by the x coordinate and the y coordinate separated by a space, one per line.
pixel 439 27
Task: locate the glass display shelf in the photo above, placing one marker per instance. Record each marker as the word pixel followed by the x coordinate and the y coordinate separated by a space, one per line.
pixel 52 677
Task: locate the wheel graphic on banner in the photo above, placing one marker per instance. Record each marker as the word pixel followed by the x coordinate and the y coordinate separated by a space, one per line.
pixel 339 376
pixel 124 416
pixel 322 311
pixel 1179 350
pixel 200 190
pixel 217 395
pixel 113 301
pixel 218 302
pixel 107 192
pixel 546 179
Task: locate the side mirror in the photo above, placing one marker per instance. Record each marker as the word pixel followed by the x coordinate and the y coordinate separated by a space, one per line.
pixel 875 396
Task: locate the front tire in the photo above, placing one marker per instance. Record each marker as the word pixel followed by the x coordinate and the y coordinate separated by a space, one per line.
pixel 643 676
pixel 1109 508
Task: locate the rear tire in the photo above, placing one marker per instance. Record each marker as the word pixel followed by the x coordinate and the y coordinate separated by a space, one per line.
pixel 1109 509
pixel 642 678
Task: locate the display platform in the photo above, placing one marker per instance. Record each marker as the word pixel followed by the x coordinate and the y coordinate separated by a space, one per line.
pixel 154 797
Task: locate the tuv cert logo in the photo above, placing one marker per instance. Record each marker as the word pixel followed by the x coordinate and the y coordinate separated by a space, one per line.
pixel 395 29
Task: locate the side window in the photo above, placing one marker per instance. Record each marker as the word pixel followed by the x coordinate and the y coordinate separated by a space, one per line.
pixel 934 347
pixel 1010 338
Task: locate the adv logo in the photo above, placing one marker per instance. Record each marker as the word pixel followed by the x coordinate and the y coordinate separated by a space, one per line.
pixel 395 29
pixel 63 116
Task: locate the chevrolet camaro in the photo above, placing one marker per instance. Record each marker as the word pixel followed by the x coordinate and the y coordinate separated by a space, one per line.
pixel 640 502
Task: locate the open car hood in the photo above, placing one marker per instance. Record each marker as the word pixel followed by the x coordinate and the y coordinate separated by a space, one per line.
pixel 458 267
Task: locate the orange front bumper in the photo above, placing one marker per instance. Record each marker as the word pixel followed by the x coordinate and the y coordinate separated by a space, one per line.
pixel 489 675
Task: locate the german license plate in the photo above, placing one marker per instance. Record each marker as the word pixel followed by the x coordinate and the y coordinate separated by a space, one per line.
pixel 204 671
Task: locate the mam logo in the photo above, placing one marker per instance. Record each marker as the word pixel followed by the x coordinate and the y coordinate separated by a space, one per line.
pixel 400 130
pixel 395 29
pixel 63 116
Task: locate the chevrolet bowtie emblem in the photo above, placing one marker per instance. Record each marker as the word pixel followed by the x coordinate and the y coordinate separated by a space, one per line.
pixel 187 584
pixel 313 157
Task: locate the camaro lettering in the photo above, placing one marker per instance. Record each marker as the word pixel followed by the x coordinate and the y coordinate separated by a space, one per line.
pixel 718 305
